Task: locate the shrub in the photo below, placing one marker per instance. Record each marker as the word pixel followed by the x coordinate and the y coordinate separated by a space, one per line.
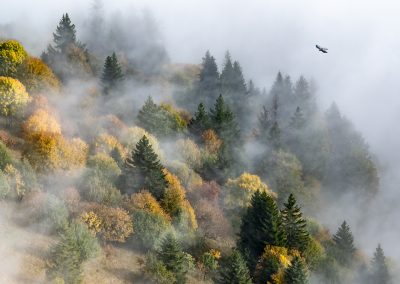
pixel 77 244
pixel 5 156
pixel 149 228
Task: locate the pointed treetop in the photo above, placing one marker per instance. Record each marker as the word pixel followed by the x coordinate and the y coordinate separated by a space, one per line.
pixel 65 34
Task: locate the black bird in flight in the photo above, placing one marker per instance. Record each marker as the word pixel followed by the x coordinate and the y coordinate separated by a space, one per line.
pixel 322 49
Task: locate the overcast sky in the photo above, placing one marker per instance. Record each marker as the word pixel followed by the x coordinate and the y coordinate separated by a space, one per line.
pixel 360 72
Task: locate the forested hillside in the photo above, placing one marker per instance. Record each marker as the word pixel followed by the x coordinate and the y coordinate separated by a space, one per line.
pixel 123 167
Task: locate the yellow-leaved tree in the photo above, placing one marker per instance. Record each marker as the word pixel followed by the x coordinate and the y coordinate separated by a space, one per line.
pixel 145 201
pixel 175 203
pixel 37 76
pixel 12 55
pixel 13 96
pixel 237 192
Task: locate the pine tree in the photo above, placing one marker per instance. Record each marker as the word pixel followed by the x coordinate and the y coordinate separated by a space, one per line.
pixel 261 226
pixel 209 84
pixel 379 270
pixel 143 170
pixel 224 122
pixel 112 74
pixel 172 256
pixel 295 225
pixel 227 74
pixel 155 119
pixel 264 124
pixel 65 34
pixel 233 270
pixel 344 244
pixel 200 122
pixel 296 273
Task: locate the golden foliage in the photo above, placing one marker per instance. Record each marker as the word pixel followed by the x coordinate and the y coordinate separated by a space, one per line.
pixel 41 122
pixel 145 201
pixel 105 143
pixel 174 195
pixel 191 215
pixel 239 191
pixel 47 148
pixel 15 181
pixel 131 136
pixel 211 141
pixel 92 221
pixel 112 224
pixel 12 54
pixel 13 96
pixel 37 76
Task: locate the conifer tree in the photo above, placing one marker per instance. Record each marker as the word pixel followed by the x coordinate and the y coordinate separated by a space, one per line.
pixel 294 225
pixel 173 257
pixel 379 270
pixel 261 226
pixel 227 74
pixel 223 121
pixel 112 74
pixel 264 124
pixel 200 121
pixel 344 244
pixel 65 34
pixel 143 170
pixel 296 273
pixel 209 84
pixel 233 270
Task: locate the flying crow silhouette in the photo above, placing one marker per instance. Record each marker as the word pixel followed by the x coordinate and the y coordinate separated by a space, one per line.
pixel 322 49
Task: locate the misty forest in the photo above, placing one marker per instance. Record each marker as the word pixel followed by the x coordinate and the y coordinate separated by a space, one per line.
pixel 121 166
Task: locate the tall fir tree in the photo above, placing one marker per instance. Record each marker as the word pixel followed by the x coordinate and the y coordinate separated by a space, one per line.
pixel 143 170
pixel 274 138
pixel 200 121
pixel 112 74
pixel 294 225
pixel 379 270
pixel 227 74
pixel 155 119
pixel 224 122
pixel 65 34
pixel 264 125
pixel 173 257
pixel 261 226
pixel 233 270
pixel 209 85
pixel 296 273
pixel 68 58
pixel 344 244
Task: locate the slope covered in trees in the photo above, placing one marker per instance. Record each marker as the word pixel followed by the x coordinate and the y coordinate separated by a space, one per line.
pixel 172 178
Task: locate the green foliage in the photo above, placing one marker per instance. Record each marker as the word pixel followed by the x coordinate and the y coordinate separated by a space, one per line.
pixel 161 121
pixel 112 74
pixel 173 257
pixel 283 173
pixel 4 186
pixel 54 213
pixel 76 245
pixel 200 121
pixel 13 96
pixel 233 270
pixel 68 57
pixel 5 156
pixel 295 226
pixel 12 54
pixel 296 273
pixel 149 228
pixel 379 270
pixel 143 170
pixel 157 271
pixel 344 248
pixel 261 226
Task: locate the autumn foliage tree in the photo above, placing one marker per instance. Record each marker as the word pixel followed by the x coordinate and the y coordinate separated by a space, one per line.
pixel 13 96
